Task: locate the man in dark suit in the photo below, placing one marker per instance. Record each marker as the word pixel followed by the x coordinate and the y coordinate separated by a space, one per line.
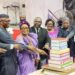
pixel 43 38
pixel 8 60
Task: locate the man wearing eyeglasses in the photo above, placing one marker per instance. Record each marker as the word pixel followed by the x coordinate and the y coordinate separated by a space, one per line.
pixel 8 60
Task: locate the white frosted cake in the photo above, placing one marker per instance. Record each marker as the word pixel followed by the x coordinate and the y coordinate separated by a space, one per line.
pixel 59 54
pixel 58 44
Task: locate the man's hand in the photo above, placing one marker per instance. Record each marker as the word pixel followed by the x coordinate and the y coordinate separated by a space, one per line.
pixel 17 46
pixel 42 52
pixel 2 50
pixel 46 46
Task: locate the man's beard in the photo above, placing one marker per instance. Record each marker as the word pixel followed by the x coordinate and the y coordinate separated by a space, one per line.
pixel 5 26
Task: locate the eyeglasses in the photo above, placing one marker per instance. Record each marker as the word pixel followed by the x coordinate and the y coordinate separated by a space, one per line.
pixel 38 21
pixel 4 20
pixel 24 28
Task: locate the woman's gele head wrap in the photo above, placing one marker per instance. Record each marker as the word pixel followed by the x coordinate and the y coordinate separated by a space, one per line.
pixel 24 22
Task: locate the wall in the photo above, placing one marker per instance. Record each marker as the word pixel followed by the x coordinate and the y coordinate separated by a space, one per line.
pixel 11 11
pixel 40 8
pixel 34 8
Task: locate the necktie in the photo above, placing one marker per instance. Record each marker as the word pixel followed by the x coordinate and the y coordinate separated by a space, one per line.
pixel 37 30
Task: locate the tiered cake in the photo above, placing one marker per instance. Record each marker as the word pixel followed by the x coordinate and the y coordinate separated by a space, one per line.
pixel 59 54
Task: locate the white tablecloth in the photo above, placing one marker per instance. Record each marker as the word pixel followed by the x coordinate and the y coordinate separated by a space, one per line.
pixel 39 72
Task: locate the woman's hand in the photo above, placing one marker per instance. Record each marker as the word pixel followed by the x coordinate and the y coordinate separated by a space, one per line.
pixel 37 61
pixel 32 48
pixel 67 39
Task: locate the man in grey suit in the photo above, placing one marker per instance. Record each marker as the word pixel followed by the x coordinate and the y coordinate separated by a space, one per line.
pixel 8 60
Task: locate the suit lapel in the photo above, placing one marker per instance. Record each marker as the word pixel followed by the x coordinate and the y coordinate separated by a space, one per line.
pixel 40 31
pixel 40 34
pixel 34 30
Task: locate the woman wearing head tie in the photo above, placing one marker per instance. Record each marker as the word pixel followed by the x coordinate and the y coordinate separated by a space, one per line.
pixel 27 58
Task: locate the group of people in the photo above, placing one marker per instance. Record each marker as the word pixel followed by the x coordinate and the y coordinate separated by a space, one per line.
pixel 21 57
pixel 30 51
